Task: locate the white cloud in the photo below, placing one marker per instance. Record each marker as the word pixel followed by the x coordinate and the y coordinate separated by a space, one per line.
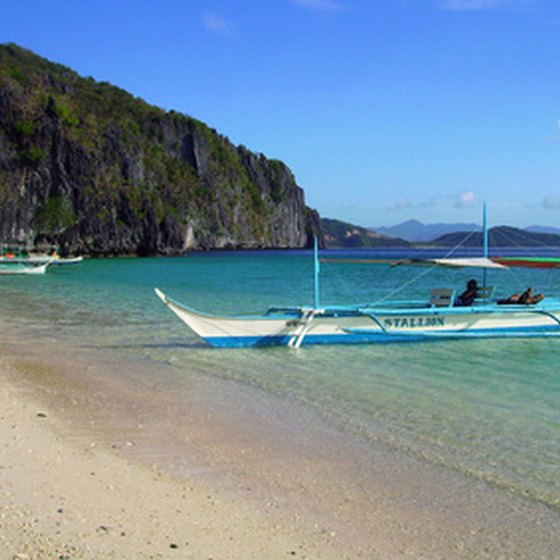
pixel 321 5
pixel 480 5
pixel 406 204
pixel 218 24
pixel 400 204
pixel 551 202
pixel 466 199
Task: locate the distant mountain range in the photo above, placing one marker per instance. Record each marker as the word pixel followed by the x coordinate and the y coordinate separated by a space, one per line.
pixel 415 231
pixel 543 229
pixel 343 234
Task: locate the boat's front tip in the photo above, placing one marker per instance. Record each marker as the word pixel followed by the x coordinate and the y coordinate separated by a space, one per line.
pixel 161 295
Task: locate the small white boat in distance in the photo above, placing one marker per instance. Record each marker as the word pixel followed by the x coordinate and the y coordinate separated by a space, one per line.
pixel 40 259
pixel 58 261
pixel 21 268
pixel 34 259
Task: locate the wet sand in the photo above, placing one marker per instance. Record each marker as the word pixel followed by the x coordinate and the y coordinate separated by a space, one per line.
pixel 99 461
pixel 67 492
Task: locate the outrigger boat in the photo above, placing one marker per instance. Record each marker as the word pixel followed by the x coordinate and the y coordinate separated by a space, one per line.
pixel 436 318
pixel 32 263
pixel 35 260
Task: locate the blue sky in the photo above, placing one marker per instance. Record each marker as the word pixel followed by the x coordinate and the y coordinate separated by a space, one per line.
pixel 384 109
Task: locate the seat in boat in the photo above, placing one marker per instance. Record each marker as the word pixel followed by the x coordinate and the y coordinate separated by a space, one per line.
pixel 442 297
pixel 484 295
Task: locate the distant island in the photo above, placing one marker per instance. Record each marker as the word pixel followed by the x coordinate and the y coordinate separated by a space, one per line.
pixel 543 229
pixel 415 231
pixel 342 234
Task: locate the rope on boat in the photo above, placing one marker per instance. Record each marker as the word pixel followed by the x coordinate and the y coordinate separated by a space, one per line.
pixel 518 279
pixel 403 286
pixel 425 272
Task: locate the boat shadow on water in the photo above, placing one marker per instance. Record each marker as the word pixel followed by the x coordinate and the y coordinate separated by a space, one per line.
pixel 190 345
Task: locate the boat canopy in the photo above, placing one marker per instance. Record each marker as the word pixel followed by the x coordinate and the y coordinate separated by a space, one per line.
pixel 475 262
pixel 459 262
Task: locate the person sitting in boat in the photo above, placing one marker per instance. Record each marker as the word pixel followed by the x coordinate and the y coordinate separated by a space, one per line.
pixel 469 295
pixel 528 297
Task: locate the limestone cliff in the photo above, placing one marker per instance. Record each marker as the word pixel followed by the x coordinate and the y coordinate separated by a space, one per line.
pixel 89 168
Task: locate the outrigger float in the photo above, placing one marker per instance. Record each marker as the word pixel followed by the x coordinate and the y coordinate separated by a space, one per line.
pixel 437 318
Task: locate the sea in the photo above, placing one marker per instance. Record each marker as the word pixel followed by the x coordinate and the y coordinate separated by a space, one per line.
pixel 486 411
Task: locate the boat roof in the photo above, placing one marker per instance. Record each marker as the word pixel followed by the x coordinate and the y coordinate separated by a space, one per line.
pixel 459 262
pixel 475 262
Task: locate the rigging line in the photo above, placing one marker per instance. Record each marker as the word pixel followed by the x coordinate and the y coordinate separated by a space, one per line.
pixel 400 288
pixel 516 275
pixel 515 242
pixel 512 273
pixel 426 271
pixel 517 280
pixel 403 286
pixel 339 279
pixel 346 287
pixel 461 243
pixel 502 234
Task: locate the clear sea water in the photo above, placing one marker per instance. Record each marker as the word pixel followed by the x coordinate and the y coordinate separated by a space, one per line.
pixel 487 408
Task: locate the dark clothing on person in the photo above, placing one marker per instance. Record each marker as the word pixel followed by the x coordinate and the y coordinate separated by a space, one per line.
pixel 469 295
pixel 526 298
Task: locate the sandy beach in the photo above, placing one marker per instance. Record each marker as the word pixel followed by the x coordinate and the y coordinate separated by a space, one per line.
pixel 77 498
pixel 86 472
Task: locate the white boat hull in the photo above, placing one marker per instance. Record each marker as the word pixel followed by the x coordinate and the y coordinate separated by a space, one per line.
pixel 60 261
pixel 34 260
pixel 351 325
pixel 17 268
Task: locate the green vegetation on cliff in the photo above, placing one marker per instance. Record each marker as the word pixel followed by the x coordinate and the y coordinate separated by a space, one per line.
pixel 89 167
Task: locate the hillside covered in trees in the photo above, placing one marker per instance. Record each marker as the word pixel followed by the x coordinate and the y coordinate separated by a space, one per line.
pixel 342 234
pixel 89 168
pixel 500 236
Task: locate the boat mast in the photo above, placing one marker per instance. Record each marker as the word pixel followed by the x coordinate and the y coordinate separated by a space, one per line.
pixel 485 241
pixel 315 273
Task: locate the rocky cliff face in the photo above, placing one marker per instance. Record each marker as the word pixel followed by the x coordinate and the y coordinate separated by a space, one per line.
pixel 90 169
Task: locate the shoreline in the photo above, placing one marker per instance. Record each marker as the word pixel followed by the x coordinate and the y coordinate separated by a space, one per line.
pixel 73 496
pixel 95 466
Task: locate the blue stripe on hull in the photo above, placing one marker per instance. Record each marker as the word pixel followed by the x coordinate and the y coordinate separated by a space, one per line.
pixel 247 341
pixel 385 337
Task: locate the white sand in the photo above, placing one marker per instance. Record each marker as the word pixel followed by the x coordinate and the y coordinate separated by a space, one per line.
pixel 67 493
pixel 62 500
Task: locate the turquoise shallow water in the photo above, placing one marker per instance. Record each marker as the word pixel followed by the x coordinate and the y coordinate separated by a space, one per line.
pixel 486 408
